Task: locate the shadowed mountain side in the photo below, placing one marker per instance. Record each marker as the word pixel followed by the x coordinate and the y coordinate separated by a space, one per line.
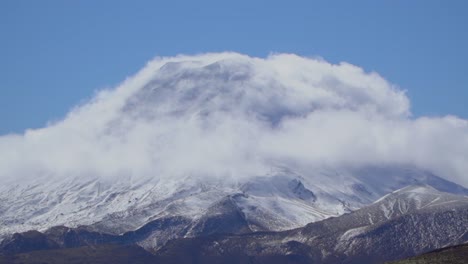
pixel 222 217
pixel 90 254
pixel 133 254
pixel 155 233
pixel 453 255
pixel 405 223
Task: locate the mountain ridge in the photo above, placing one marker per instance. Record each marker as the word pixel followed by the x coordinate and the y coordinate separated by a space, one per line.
pixel 288 197
pixel 366 235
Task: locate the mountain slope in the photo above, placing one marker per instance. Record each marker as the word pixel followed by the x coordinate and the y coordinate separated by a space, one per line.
pixel 90 254
pixel 430 219
pixel 407 222
pixel 225 143
pixel 453 255
pixel 280 201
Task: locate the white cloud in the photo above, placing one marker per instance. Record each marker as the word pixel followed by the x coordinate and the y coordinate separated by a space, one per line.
pixel 230 114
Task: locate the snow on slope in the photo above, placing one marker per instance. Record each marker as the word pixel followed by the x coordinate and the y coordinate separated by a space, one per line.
pixel 412 198
pixel 277 134
pixel 282 200
pixel 434 219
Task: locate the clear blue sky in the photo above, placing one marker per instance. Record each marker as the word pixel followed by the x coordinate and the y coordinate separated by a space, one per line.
pixel 54 54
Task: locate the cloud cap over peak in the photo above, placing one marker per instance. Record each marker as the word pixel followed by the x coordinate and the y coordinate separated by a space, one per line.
pixel 222 114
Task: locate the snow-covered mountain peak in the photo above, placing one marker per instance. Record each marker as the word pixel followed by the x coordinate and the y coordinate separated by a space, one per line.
pixel 417 197
pixel 263 89
pixel 262 144
pixel 418 190
pixel 421 192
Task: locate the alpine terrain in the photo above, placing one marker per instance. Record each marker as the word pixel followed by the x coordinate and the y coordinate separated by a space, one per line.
pixel 225 158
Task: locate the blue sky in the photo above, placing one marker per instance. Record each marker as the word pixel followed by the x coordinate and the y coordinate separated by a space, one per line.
pixel 55 54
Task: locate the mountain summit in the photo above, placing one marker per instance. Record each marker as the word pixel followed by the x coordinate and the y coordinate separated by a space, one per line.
pixel 231 116
pixel 224 143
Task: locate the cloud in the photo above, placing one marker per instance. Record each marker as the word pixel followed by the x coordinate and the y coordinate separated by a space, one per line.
pixel 227 114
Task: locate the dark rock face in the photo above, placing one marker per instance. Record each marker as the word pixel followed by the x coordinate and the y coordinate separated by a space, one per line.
pixel 27 241
pixel 76 237
pixel 223 217
pixel 65 237
pixel 298 188
pixel 279 185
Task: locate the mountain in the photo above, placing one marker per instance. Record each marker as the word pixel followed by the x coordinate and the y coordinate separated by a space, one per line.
pixel 285 153
pixel 169 209
pixel 408 222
